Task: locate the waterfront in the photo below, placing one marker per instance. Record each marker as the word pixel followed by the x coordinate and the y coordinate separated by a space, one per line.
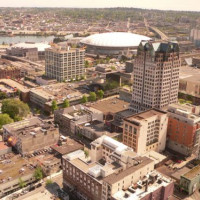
pixel 18 39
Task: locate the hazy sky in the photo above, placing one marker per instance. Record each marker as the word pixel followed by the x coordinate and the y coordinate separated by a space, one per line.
pixel 154 4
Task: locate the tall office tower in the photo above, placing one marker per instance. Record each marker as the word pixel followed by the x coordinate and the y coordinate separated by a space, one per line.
pixel 64 64
pixel 156 75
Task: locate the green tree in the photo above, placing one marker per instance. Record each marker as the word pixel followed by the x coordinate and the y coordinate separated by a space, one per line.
pixel 49 182
pixel 5 119
pixel 54 105
pixel 22 184
pixel 86 152
pixel 86 64
pixel 92 96
pixel 84 99
pixel 3 95
pixel 65 103
pixel 100 94
pixel 15 108
pixel 38 174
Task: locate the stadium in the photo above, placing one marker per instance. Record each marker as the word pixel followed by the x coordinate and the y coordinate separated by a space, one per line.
pixel 113 43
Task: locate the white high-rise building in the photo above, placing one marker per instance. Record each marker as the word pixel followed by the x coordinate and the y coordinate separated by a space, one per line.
pixel 64 64
pixel 156 75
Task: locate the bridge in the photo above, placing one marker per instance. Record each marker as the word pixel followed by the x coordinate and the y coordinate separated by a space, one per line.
pixel 155 30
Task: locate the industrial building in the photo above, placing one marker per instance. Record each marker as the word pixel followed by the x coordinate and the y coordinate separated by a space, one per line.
pixel 28 50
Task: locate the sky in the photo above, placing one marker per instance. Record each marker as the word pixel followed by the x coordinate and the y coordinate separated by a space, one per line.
pixel 190 5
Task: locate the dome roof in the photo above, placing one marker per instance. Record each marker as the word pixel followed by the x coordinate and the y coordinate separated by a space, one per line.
pixel 114 39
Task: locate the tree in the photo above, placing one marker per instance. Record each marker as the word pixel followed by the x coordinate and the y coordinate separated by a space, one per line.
pixel 84 99
pixel 86 152
pixel 92 96
pixel 54 105
pixel 49 182
pixel 38 174
pixel 15 108
pixel 3 95
pixel 86 64
pixel 65 103
pixel 5 119
pixel 100 94
pixel 22 184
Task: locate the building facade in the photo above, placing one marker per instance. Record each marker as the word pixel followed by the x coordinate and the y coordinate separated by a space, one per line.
pixel 64 64
pixel 156 75
pixel 146 131
pixel 30 135
pixel 110 167
pixel 183 129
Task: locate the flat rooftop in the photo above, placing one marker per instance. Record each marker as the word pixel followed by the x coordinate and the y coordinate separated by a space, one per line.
pixel 29 127
pixel 14 84
pixel 57 91
pixel 111 179
pixel 137 193
pixel 14 167
pixel 189 74
pixel 192 173
pixel 145 115
pixel 110 105
pixel 70 146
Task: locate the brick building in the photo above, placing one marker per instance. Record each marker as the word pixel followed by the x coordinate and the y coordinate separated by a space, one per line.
pixel 183 129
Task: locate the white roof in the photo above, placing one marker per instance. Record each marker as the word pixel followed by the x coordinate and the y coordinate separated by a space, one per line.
pixel 114 39
pixel 39 46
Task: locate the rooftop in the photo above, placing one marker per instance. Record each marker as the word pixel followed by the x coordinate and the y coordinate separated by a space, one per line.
pixel 29 127
pixel 144 115
pixel 139 191
pixel 57 91
pixel 70 146
pixel 111 179
pixel 114 39
pixel 14 84
pixel 24 45
pixel 192 173
pixel 189 74
pixel 13 168
pixel 110 105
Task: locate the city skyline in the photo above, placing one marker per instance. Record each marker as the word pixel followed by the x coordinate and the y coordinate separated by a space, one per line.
pixel 145 4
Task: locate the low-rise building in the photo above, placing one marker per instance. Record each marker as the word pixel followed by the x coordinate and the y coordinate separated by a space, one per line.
pixel 110 167
pixel 30 135
pixel 44 95
pixel 189 181
pixel 69 118
pixel 146 131
pixel 183 129
pixel 13 169
pixel 9 72
pixel 153 186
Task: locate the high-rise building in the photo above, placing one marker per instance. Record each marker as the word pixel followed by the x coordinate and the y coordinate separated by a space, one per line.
pixel 146 131
pixel 183 129
pixel 156 75
pixel 64 64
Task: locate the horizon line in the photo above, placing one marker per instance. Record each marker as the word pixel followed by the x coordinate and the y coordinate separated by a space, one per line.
pixel 101 8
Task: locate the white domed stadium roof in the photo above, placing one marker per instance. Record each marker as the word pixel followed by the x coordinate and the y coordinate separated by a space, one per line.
pixel 114 39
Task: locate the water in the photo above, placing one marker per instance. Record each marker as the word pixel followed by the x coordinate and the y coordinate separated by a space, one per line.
pixel 18 39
